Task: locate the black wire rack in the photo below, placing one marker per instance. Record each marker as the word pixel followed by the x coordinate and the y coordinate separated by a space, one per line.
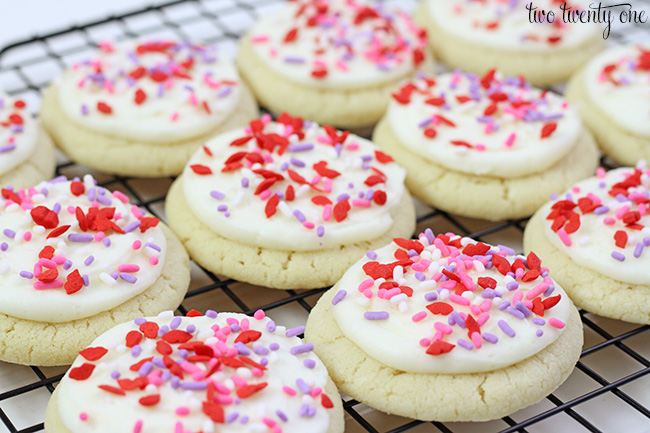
pixel 608 391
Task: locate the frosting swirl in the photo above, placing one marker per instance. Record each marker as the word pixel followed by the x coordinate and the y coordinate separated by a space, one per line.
pixel 166 374
pixel 447 304
pixel 602 223
pixel 155 91
pixel 479 125
pixel 71 249
pixel 339 43
pixel 293 185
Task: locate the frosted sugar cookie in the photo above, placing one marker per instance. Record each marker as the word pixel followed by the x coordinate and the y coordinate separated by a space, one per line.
pixel 446 328
pixel 26 152
pixel 143 107
pixel 288 204
pixel 226 373
pixel 595 238
pixel 612 94
pixel 332 61
pixel 75 260
pixel 479 35
pixel 485 147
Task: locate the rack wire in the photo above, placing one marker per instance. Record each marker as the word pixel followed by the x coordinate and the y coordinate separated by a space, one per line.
pixel 608 391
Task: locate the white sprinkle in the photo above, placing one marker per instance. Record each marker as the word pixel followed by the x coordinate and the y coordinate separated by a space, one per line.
pixel 403 307
pixel 285 209
pixel 364 302
pixel 107 279
pixel 443 295
pixel 4 268
pixel 584 240
pixel 427 285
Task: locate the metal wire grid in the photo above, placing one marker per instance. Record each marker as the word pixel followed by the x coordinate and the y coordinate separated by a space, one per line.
pixel 610 381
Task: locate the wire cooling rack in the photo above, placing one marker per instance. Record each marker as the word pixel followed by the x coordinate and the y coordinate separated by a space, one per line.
pixel 609 391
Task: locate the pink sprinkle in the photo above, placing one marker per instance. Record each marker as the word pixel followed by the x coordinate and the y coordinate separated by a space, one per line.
pixel 174 117
pixel 575 189
pixel 99 236
pixel 259 315
pixel 425 342
pixel 315 391
pixel 128 268
pixel 137 428
pixel 475 310
pixel 70 209
pixel 307 224
pixel 265 194
pixel 120 196
pixel 368 293
pixel 327 212
pixel 83 416
pixel 518 296
pixel 476 339
pixel 182 410
pixel 486 305
pixel 259 39
pixel 266 118
pixel 479 147
pixel 39 285
pixel 622 211
pixel 564 237
pixel 327 184
pixel 458 299
pixel 268 421
pixel 437 336
pixel 519 273
pixel 536 291
pixel 136 245
pixel 365 284
pixel 556 323
pixel 136 212
pixel 445 329
pixel 244 324
pixel 341 65
pixel 153 260
pixel 50 264
pixel 289 391
pixel 601 173
pixel 608 221
pixel 484 317
pixel 352 146
pixel 361 203
pixel 511 140
pixel 27 236
pixel 419 316
pixel 178 428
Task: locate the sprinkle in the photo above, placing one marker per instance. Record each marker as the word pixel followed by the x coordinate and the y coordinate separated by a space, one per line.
pixel 376 315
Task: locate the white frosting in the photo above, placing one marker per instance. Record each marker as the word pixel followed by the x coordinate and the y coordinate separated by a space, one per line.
pixel 350 48
pixel 77 397
pixel 624 97
pixel 396 340
pixel 239 214
pixel 593 244
pixel 505 25
pixel 20 296
pixel 173 108
pixel 506 143
pixel 18 133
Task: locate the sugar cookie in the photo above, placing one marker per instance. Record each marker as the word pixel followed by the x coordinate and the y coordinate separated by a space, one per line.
pixel 226 372
pixel 288 204
pixel 75 260
pixel 142 108
pixel 446 328
pixel 489 147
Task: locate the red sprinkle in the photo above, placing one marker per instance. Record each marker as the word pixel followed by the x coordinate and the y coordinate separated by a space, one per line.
pixel 133 338
pixel 149 400
pixel 82 372
pixel 440 308
pixel 439 348
pixel 340 210
pixel 201 169
pixel 548 129
pixel 58 231
pixel 77 188
pixel 45 217
pixel 177 336
pixel 93 353
pixel 104 108
pixel 248 336
pixel 74 283
pixel 621 238
pixel 149 329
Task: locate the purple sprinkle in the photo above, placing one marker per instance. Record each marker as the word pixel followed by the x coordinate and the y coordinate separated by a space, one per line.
pixel 618 256
pixel 521 307
pixel 299 216
pixel 274 346
pixel 80 237
pixel 281 415
pixel 302 386
pixel 106 242
pixel 539 332
pixel 235 327
pixel 242 349
pixel 153 246
pixel 218 195
pixel 289 59
pixel 136 351
pixel 128 277
pixel 222 208
pixel 488 294
pixel 342 197
pixel 176 322
pixel 302 412
pixel 261 350
pixel 139 321
pixel 302 348
pixel 104 200
pixel 300 147
pixel 225 92
pixel 26 274
pixel 158 362
pixel 145 369
pixel 376 315
pixel 175 382
pixel 638 250
pixel 506 328
pixel 311 412
pixel 295 331
pixel 9 233
pixel 194 386
pixel 490 338
pixel 7 148
pixel 320 231
pixel 508 250
pixel 284 166
pixel 56 208
pixel 211 314
pixel 512 285
pixel 420 276
pixel 539 321
pixel 646 241
pixel 89 260
pixel 183 353
pixel 465 344
pixel 457 319
pixel 431 296
pixel 297 162
pixel 67 264
pixel 86 280
pixel 244 182
pixel 115 375
pixel 84 109
pixel 515 312
pixel 339 297
pixel 270 326
pixel 504 305
pixel 309 363
pixel 549 290
pixel 601 210
pixel 191 328
pixel 134 225
pixel 163 330
pixel 371 255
